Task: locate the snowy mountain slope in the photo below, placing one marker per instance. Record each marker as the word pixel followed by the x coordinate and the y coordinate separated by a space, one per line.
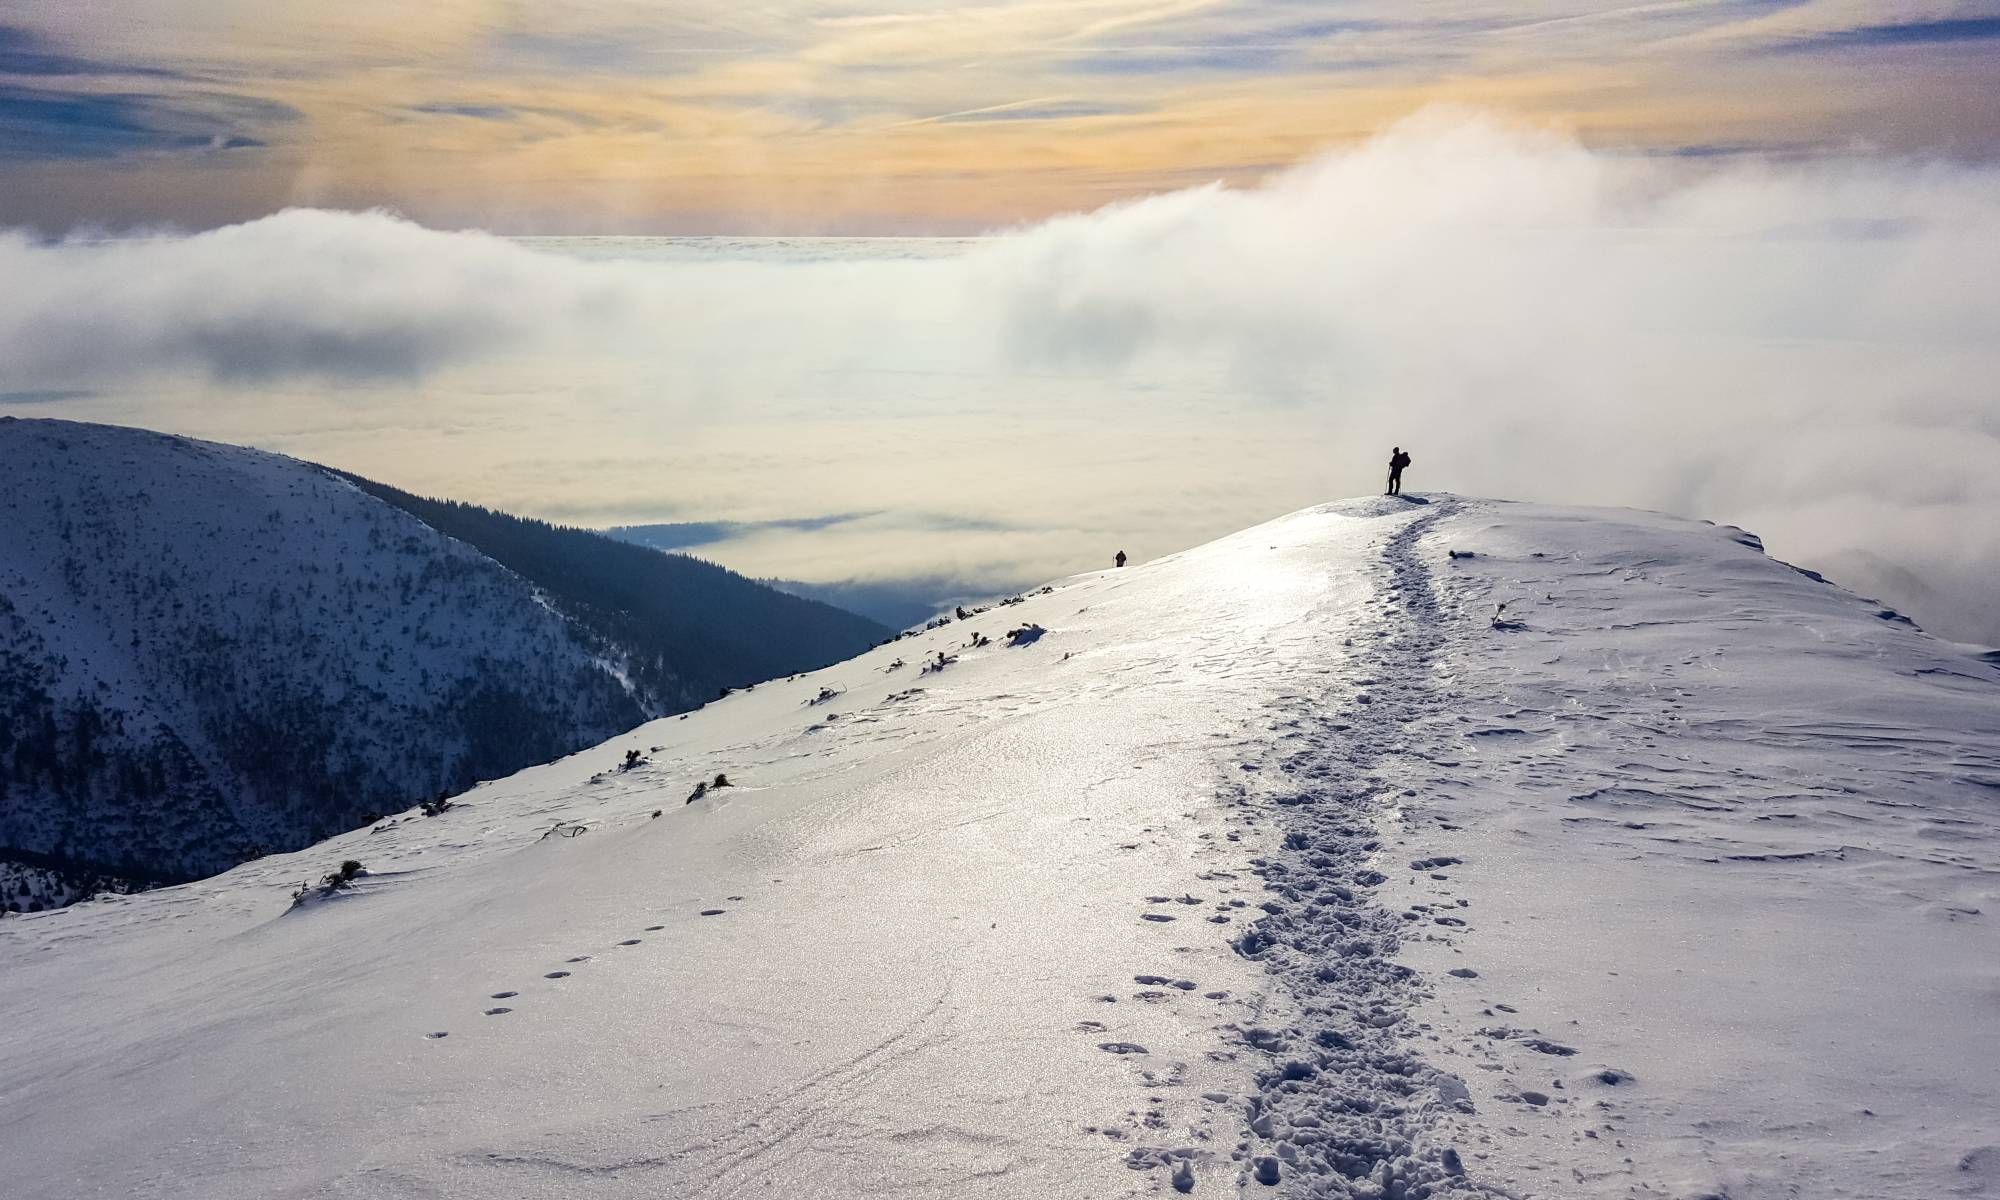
pixel 1730 835
pixel 686 629
pixel 205 650
pixel 1167 897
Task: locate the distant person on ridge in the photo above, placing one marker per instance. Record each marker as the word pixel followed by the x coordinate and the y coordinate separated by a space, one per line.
pixel 1121 558
pixel 1397 461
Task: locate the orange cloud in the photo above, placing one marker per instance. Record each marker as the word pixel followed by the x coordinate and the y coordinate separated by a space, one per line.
pixel 868 116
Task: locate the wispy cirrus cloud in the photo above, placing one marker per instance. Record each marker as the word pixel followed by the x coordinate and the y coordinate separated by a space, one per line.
pixel 1043 109
pixel 1945 31
pixel 1187 60
pixel 51 123
pixel 23 51
pixel 477 112
pixel 861 115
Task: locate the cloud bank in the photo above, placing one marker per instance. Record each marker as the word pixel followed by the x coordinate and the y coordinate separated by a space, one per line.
pixel 355 295
pixel 1806 348
pixel 1803 347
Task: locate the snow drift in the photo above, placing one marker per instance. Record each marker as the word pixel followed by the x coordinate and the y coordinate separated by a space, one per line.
pixel 1415 847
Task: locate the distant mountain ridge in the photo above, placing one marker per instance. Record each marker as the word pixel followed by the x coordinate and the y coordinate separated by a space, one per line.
pixel 208 652
pixel 689 627
pixel 898 603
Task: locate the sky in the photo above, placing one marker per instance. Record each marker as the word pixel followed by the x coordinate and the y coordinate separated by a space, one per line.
pixel 877 116
pixel 1739 262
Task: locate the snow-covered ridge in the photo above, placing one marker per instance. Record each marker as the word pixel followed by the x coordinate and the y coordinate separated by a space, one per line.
pixel 1292 865
pixel 206 650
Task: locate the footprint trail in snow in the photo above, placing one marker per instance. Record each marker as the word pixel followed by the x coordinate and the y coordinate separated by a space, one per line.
pixel 1346 1106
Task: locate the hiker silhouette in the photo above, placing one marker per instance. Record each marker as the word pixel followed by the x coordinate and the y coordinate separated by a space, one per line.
pixel 1397 461
pixel 1121 558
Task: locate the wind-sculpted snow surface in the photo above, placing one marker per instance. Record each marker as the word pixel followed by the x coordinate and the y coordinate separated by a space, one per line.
pixel 1637 863
pixel 1291 866
pixel 1725 923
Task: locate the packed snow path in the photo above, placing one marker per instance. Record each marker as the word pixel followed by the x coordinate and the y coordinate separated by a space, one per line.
pixel 1345 1104
pixel 1287 866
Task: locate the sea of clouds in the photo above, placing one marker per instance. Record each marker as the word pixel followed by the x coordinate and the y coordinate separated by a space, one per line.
pixel 1805 347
